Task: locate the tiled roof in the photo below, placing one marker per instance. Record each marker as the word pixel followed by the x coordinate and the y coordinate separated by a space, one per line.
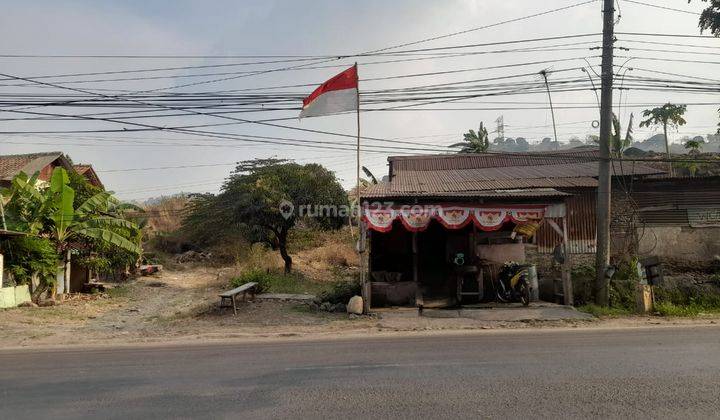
pixel 81 169
pixel 89 173
pixel 494 175
pixel 11 165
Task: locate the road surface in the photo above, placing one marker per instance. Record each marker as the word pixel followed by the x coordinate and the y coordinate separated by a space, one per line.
pixel 662 372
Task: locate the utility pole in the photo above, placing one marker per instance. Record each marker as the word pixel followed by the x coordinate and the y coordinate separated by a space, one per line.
pixel 501 127
pixel 544 74
pixel 602 257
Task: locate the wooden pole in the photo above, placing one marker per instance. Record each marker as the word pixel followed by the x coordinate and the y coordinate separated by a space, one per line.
pixel 568 295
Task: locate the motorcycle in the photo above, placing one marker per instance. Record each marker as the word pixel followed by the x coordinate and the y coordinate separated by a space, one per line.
pixel 512 284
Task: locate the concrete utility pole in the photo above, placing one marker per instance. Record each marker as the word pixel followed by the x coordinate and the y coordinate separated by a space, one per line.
pixel 602 257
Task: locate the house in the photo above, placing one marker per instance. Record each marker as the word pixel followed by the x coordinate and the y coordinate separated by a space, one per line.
pixel 90 175
pixel 44 163
pixel 485 210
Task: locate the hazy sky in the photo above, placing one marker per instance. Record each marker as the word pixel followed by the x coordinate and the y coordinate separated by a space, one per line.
pixel 319 28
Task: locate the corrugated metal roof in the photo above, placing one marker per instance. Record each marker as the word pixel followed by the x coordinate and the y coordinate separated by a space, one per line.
pixel 491 160
pixel 474 175
pixel 383 191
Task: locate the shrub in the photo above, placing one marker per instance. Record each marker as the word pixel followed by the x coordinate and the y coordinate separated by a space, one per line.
pixel 28 255
pixel 272 281
pixel 340 292
pixel 583 279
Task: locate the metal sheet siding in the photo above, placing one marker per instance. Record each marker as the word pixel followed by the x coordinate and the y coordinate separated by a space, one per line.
pixel 581 225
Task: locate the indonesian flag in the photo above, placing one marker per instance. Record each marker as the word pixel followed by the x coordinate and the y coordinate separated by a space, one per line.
pixel 338 94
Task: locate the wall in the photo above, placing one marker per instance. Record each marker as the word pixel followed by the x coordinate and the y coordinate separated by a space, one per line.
pixel 581 225
pixel 692 244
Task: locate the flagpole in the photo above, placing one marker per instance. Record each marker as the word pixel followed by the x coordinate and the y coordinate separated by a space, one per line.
pixel 361 232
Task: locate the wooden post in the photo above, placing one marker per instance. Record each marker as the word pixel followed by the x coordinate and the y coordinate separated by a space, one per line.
pixel 68 269
pixel 364 279
pixel 418 294
pixel 567 265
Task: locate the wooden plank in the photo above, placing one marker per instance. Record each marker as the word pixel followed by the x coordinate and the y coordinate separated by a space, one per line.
pixel 245 287
pixel 568 297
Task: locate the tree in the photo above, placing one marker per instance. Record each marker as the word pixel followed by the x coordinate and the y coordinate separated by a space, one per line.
pixel 710 17
pixel 668 115
pixel 693 146
pixel 522 144
pixel 618 143
pixel 474 142
pixel 263 199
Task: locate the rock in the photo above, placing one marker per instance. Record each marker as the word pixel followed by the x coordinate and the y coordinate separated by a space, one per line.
pixel 326 306
pixel 355 305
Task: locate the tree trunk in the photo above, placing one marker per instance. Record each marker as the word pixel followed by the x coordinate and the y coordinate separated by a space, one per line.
pixel 282 246
pixel 667 149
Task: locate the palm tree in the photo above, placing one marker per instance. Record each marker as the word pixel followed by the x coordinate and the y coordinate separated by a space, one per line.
pixel 667 115
pixel 619 144
pixel 474 142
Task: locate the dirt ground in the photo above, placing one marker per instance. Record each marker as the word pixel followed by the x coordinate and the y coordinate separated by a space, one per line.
pixel 183 305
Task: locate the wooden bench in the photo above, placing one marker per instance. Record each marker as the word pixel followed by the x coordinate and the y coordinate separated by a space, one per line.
pixel 230 295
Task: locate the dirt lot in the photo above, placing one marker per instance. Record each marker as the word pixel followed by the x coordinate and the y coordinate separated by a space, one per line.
pixel 183 305
pixel 162 307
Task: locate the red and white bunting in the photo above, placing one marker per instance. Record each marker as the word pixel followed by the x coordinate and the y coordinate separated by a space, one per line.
pixel 451 217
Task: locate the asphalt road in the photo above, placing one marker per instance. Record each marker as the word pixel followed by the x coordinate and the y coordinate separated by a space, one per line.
pixel 647 373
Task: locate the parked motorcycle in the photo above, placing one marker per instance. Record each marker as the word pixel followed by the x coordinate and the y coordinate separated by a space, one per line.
pixel 512 284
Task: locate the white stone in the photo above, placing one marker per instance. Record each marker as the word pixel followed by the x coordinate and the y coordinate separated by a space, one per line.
pixel 355 305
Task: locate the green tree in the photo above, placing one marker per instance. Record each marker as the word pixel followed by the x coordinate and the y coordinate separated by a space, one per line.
pixel 474 142
pixel 710 17
pixel 693 146
pixel 668 115
pixel 619 144
pixel 262 200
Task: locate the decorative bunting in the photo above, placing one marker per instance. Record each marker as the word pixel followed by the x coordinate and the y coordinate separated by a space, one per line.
pixel 417 219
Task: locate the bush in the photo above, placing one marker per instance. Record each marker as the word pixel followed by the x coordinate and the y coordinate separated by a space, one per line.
pixel 583 279
pixel 27 255
pixel 273 281
pixel 340 292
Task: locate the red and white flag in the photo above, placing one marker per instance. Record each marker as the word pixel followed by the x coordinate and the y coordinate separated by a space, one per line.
pixel 339 94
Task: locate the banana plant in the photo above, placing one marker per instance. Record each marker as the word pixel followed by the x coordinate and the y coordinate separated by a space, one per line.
pixel 49 211
pixel 95 218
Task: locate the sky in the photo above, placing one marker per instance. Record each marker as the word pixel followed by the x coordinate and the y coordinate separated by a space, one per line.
pixel 135 164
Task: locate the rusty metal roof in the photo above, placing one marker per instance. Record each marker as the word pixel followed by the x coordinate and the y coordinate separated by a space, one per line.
pixel 382 190
pixel 492 160
pixel 476 175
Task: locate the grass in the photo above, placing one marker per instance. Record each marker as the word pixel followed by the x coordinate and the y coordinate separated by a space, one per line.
pixel 601 311
pixel 118 291
pixel 270 281
pixel 691 310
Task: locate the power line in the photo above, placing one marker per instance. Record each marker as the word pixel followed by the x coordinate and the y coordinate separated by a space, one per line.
pixel 662 7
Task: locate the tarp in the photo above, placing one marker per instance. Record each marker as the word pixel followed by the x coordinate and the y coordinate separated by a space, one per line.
pixel 417 218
